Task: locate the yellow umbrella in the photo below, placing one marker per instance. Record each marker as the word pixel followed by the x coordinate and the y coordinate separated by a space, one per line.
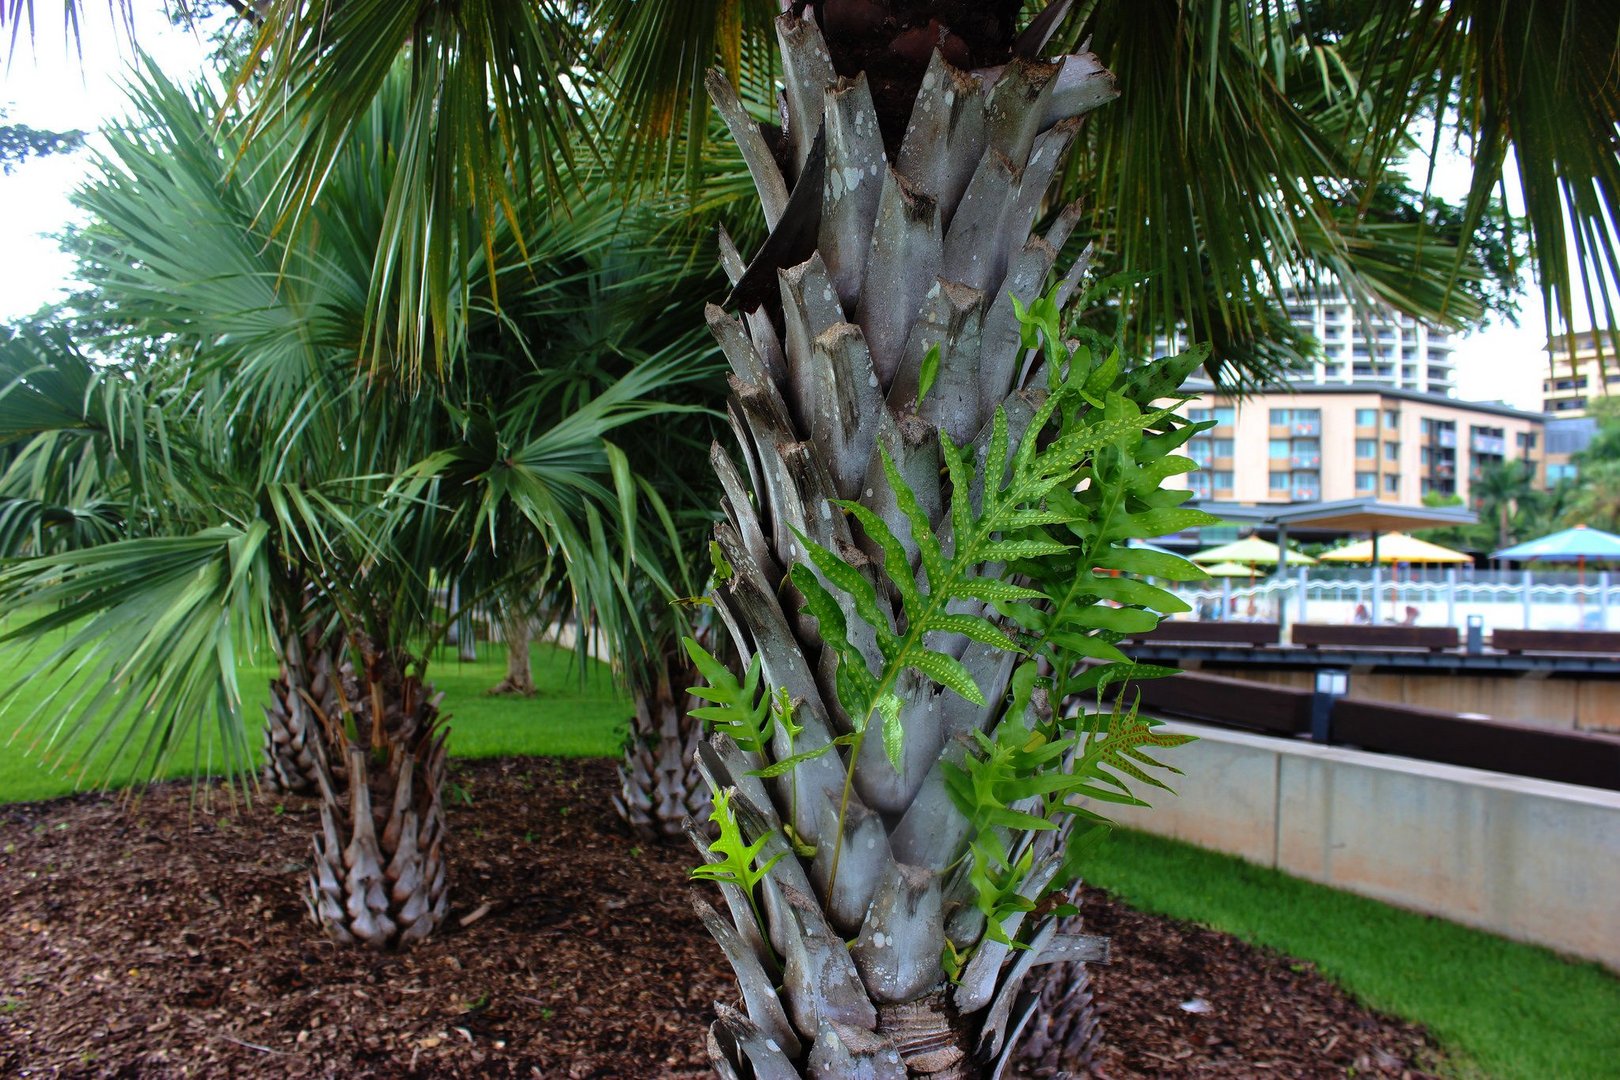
pixel 1397 548
pixel 1249 550
pixel 1229 569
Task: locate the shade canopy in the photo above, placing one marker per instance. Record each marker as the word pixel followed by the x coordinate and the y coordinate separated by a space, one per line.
pixel 1397 548
pixel 1569 545
pixel 1143 545
pixel 1229 569
pixel 1250 550
pixel 1369 516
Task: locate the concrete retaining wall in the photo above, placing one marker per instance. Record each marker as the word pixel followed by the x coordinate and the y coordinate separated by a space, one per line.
pixel 1527 859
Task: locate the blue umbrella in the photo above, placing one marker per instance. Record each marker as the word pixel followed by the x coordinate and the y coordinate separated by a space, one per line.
pixel 1571 545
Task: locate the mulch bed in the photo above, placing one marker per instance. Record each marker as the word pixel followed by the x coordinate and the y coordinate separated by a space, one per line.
pixel 167 939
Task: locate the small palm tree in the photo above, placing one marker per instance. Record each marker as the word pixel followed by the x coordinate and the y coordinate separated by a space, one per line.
pixel 322 502
pixel 1501 491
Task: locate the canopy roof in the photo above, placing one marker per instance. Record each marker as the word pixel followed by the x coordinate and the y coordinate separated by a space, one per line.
pixel 1580 542
pixel 1397 548
pixel 1343 515
pixel 1250 549
pixel 1229 569
pixel 1371 515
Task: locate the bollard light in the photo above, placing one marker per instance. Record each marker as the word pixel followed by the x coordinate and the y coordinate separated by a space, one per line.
pixel 1476 635
pixel 1331 684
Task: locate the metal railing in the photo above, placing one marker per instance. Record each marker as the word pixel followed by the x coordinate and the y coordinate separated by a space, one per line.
pixel 1504 600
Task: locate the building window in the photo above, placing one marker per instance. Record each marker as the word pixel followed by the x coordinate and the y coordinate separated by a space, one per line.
pixel 1279 480
pixel 1392 418
pixel 1223 480
pixel 1527 440
pixel 1223 447
pixel 1281 417
pixel 1366 418
pixel 1561 472
pixel 1277 448
pixel 1426 455
pixel 1198 416
pixel 1225 416
pixel 1392 451
pixel 1392 483
pixel 1366 448
pixel 1367 481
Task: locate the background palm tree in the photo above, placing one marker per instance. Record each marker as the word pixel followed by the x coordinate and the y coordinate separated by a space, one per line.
pixel 351 490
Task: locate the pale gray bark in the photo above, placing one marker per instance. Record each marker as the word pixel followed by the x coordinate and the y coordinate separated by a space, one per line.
pixel 305 697
pixel 379 875
pixel 660 785
pixel 844 976
pixel 518 631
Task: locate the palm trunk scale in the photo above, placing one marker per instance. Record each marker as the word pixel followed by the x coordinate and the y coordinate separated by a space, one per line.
pixel 881 313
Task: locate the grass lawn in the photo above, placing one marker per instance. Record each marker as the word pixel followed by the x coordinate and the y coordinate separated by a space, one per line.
pixel 1499 1008
pixel 569 716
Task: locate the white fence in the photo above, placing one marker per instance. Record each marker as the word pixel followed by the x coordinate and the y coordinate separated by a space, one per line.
pixel 1517 601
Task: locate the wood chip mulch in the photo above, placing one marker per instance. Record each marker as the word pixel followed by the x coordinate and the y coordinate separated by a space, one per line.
pixel 170 939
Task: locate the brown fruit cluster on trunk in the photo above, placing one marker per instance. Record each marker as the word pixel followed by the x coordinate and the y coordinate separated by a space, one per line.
pixel 892 41
pixel 379 876
pixel 660 785
pixel 305 698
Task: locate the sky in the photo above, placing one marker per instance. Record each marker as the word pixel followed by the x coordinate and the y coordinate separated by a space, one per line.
pixel 48 87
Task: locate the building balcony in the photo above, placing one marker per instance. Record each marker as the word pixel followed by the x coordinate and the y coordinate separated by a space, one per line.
pixel 1305 461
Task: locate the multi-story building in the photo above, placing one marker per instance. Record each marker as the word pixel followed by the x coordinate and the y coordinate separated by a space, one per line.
pixel 1577 375
pixel 1564 438
pixel 1376 347
pixel 1324 443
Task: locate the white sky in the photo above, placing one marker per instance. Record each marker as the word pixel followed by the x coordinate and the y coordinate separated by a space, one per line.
pixel 48 87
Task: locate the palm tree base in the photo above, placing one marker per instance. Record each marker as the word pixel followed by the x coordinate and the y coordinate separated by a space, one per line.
pixel 660 786
pixel 305 698
pixel 379 876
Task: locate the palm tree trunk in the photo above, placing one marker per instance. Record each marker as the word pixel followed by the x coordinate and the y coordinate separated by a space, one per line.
pixel 380 874
pixel 519 633
pixel 660 785
pixel 892 233
pixel 305 696
pixel 1065 1029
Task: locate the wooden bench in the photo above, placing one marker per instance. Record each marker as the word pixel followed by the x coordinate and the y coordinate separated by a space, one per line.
pixel 1556 641
pixel 1569 757
pixel 1193 632
pixel 1216 699
pixel 1316 635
